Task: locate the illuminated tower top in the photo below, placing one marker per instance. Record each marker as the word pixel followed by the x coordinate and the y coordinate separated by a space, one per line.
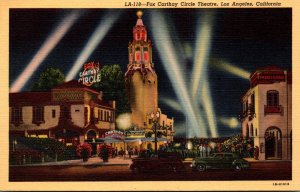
pixel 139 50
pixel 139 30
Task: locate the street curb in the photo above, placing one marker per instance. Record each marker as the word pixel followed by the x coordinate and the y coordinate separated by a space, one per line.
pixel 77 165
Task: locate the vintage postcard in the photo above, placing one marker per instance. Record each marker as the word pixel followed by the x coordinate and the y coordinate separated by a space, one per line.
pixel 149 95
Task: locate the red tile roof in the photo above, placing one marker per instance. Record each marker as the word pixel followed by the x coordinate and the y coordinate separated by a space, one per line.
pixel 73 84
pixel 31 98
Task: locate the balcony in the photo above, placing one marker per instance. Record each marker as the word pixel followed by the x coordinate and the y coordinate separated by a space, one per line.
pixel 249 113
pixel 273 109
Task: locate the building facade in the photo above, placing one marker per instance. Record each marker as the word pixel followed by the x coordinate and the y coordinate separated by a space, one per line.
pixel 267 113
pixel 71 113
pixel 141 80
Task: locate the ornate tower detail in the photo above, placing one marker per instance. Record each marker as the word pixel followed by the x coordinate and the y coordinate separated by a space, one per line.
pixel 140 76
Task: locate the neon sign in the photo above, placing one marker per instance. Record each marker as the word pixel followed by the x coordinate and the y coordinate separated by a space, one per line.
pixel 90 74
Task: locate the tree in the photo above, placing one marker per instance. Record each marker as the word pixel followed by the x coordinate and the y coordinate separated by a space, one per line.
pixel 112 85
pixel 48 79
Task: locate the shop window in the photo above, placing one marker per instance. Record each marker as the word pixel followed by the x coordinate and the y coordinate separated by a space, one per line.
pixel 272 98
pixel 53 113
pixel 16 115
pixel 38 115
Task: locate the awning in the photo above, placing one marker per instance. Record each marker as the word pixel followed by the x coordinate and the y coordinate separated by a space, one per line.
pixel 151 139
pixel 128 140
pixel 108 140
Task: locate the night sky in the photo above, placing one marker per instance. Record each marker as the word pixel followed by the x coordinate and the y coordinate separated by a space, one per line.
pixel 246 38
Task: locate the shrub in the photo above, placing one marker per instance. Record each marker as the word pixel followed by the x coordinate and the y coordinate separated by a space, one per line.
pixel 84 151
pixel 104 152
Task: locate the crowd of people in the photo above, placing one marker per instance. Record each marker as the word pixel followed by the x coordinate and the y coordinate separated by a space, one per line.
pixel 199 148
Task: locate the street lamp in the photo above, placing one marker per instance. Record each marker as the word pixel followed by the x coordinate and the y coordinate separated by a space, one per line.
pixel 155 118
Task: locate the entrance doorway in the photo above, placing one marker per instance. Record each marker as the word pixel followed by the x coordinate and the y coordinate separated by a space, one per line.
pixel 273 143
pixel 91 136
pixel 68 137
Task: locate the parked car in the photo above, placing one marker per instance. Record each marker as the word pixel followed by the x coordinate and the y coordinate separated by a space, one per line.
pixel 166 162
pixel 220 161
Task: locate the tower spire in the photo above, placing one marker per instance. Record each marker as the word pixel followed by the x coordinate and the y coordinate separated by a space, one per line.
pixel 139 22
pixel 139 14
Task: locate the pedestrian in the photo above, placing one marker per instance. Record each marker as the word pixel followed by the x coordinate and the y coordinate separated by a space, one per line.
pixel 126 153
pixel 116 151
pixel 113 152
pixel 204 149
pixel 219 147
pixel 232 149
pixel 208 150
pixel 201 150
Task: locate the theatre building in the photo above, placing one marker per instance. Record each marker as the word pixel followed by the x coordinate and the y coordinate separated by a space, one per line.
pixel 70 112
pixel 267 113
pixel 142 82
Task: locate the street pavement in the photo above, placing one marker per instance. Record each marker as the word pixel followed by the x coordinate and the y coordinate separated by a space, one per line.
pixel 117 169
pixel 79 162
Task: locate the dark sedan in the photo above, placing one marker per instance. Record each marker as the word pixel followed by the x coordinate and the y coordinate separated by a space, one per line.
pixel 220 161
pixel 162 163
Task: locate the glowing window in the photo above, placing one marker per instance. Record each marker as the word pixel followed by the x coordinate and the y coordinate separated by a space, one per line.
pixel 146 57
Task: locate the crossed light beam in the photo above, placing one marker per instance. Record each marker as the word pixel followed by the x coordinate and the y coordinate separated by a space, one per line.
pixel 170 62
pixel 200 93
pixel 229 68
pixel 50 43
pixel 96 38
pixel 200 88
pixel 202 50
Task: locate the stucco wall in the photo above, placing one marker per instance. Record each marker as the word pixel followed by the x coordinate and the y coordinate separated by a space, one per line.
pixel 77 115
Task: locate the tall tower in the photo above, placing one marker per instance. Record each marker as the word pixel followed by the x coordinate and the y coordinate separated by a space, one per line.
pixel 140 76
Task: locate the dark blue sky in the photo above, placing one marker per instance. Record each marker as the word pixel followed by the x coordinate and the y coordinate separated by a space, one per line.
pixel 247 38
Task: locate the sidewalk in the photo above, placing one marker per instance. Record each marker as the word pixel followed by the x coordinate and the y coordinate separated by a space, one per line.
pixel 95 161
pixel 252 160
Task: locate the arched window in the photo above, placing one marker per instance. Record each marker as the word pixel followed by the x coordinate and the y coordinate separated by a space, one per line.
pixel 272 98
pixel 137 54
pixel 247 131
pixel 251 131
pixel 146 55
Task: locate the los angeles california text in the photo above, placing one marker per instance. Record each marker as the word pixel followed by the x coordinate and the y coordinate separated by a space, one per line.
pixel 202 4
